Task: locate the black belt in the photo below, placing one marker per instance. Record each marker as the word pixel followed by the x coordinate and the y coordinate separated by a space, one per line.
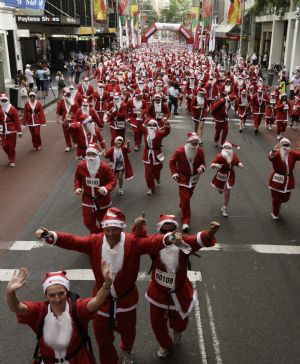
pixel 112 318
pixel 81 147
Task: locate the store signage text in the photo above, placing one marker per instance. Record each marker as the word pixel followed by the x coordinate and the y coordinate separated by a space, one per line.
pixel 38 19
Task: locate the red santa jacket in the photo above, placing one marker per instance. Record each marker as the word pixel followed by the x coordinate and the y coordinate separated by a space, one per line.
pixel 258 105
pixel 152 153
pixel 110 153
pixel 243 105
pixel 9 121
pixel 99 73
pixel 35 316
pixel 174 291
pixel 92 113
pixel 136 110
pixel 271 109
pixel 199 108
pixel 186 171
pixel 65 109
pixel 101 101
pixel 282 178
pixel 282 110
pixel 295 106
pixel 86 92
pixel 225 176
pixel 124 287
pixel 33 114
pixel 83 139
pixel 103 178
pixel 111 90
pixel 220 110
pixel 117 116
pixel 158 112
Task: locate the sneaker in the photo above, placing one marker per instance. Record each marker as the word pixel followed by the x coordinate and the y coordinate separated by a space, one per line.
pixel 127 357
pixel 241 130
pixel 177 337
pixel 121 191
pixel 67 149
pixel 256 131
pixel 136 148
pixel 269 127
pixel 149 192
pixel 12 164
pixel 185 228
pixel 162 353
pixel 158 181
pixel 200 142
pixel 34 149
pixel 39 148
pixel 224 211
pixel 295 127
pixel 274 217
pixel 278 137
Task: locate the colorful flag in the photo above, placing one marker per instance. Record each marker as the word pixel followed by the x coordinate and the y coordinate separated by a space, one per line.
pixel 122 7
pixel 100 9
pixel 207 12
pixel 234 12
pixel 195 17
pixel 212 36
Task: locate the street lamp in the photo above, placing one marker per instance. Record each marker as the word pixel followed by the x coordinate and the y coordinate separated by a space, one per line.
pixel 242 25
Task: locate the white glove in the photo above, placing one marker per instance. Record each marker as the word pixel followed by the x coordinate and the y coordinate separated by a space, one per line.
pixel 216 165
pixel 175 177
pixel 102 191
pixel 78 191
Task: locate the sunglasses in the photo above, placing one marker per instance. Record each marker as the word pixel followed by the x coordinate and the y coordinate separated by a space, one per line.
pixel 285 145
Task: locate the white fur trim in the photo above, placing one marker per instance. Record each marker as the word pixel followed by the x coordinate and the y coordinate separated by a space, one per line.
pixel 51 281
pixel 157 304
pixel 167 221
pixel 112 222
pixel 199 240
pixel 54 237
pixel 118 310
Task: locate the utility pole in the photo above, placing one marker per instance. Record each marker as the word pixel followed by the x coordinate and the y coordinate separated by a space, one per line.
pixel 93 40
pixel 2 82
pixel 242 25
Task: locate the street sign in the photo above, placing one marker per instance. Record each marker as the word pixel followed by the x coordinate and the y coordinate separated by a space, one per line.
pixel 26 4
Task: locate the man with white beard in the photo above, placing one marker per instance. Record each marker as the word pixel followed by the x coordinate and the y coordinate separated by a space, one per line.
pixel 101 100
pixel 86 89
pixel 170 292
pixel 153 156
pixel 59 338
pixel 88 109
pixel 66 109
pixel 116 117
pixel 199 112
pixel 95 180
pixel 282 181
pixel 186 165
pixel 224 179
pixel 85 132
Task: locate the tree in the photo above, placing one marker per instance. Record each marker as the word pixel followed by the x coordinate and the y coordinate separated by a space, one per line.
pixel 277 7
pixel 176 11
pixel 146 8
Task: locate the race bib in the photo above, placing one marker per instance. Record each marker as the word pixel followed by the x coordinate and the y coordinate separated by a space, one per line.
pixel 92 182
pixel 120 124
pixel 221 176
pixel 165 279
pixel 278 178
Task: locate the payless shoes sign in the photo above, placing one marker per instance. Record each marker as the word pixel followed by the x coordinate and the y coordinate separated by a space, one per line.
pixel 31 19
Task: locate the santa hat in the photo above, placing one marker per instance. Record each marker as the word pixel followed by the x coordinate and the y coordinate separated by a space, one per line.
pixel 114 217
pixel 152 121
pixel 53 278
pixel 31 93
pixel 119 138
pixel 3 97
pixel 66 90
pixel 113 80
pixel 28 65
pixel 100 84
pixel 201 91
pixel 244 91
pixel 138 93
pixel 72 87
pixel 192 136
pixel 285 141
pixel 166 219
pixel 259 89
pixel 281 95
pixel 85 79
pixel 84 119
pixel 157 96
pixel 117 95
pixel 85 102
pixel 93 148
pixel 230 144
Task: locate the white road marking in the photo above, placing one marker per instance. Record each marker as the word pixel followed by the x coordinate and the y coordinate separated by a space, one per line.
pixel 199 327
pixel 254 248
pixel 216 343
pixel 88 275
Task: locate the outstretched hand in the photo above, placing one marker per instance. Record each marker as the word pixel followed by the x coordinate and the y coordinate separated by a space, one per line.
pixel 214 227
pixel 107 274
pixel 17 280
pixel 41 233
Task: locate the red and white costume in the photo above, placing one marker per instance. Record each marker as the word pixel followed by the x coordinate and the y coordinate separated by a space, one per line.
pixel 34 117
pixel 158 111
pixel 225 177
pixel 282 115
pixel 115 154
pixel 117 113
pixel 136 110
pixel 258 106
pixel 86 90
pixel 101 99
pixel 88 110
pixel 270 113
pixel 67 109
pixel 199 107
pixel 220 111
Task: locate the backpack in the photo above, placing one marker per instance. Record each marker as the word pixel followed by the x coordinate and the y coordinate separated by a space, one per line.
pixel 85 338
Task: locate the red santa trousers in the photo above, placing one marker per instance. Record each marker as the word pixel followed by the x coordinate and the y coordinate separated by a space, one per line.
pixel 189 104
pixel 221 127
pixel 35 132
pixel 152 173
pixel 67 136
pixel 277 199
pixel 270 121
pixel 9 142
pixel 185 195
pixel 281 126
pixel 115 133
pixel 90 218
pixel 137 134
pixel 159 321
pixel 126 327
pixel 257 120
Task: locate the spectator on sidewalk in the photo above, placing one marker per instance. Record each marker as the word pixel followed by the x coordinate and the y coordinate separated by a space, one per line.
pixel 60 84
pixel 29 75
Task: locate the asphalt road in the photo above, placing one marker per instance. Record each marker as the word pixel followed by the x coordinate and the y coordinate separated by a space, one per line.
pixel 248 309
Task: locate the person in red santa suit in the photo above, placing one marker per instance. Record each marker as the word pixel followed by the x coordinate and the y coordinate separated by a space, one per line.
pixel 101 100
pixel 87 109
pixel 283 109
pixel 199 112
pixel 85 132
pixel 136 110
pixel 94 180
pixel 258 105
pixel 190 92
pixel 238 86
pixel 59 338
pixel 77 96
pixel 152 155
pixel 112 88
pixel 158 110
pixel 224 179
pixel 295 111
pixel 100 72
pixel 212 90
pixel 10 126
pixel 86 89
pixel 270 113
pixel 282 181
pixel 116 117
pixel 34 117
pixel 243 103
pixel 186 166
pixel 118 156
pixel 121 251
pixel 66 109
pixel 170 292
pixel 220 109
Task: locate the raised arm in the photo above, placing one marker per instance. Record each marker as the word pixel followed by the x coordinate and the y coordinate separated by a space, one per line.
pixel 16 282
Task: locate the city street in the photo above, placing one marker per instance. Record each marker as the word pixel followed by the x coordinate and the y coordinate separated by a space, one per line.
pixel 247 287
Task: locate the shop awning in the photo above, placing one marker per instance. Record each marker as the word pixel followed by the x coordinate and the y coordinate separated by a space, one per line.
pixel 223 29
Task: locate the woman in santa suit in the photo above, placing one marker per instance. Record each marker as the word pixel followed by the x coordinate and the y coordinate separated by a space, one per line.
pixel 60 340
pixel 120 162
pixel 199 111
pixel 282 181
pixel 34 117
pixel 225 177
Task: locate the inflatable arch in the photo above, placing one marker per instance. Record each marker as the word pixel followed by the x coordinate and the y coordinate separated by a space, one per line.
pixel 187 34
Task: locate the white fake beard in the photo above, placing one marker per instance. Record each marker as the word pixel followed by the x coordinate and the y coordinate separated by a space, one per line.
pixel 227 154
pixel 227 89
pixel 113 257
pixel 93 165
pixel 57 331
pixel 190 151
pixel 118 104
pixel 157 107
pixel 73 93
pixel 200 100
pixel 141 87
pixel 240 83
pixel 5 105
pixel 70 100
pixel 138 103
pixel 151 132
pixel 100 91
pixel 91 128
pixel 85 110
pixel 284 153
pixel 170 258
